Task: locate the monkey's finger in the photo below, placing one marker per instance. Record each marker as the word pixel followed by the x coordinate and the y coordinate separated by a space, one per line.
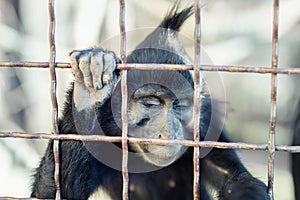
pixel 97 66
pixel 74 55
pixel 84 66
pixel 109 68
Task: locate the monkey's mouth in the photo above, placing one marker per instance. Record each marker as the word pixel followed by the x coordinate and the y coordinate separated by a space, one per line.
pixel 161 155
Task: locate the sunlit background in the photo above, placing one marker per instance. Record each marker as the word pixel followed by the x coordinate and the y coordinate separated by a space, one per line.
pixel 234 32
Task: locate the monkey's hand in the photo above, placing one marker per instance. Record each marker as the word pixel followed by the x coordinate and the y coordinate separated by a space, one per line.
pixel 245 187
pixel 95 75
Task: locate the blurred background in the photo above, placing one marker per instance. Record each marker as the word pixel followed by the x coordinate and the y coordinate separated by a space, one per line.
pixel 234 32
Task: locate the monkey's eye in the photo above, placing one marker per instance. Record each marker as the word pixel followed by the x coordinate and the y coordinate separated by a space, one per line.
pixel 150 101
pixel 181 104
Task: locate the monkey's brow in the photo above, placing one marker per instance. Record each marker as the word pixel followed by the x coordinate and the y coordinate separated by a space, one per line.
pixel 149 97
pixel 148 92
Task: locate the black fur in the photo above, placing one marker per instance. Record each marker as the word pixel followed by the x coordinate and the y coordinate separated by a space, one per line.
pixel 81 173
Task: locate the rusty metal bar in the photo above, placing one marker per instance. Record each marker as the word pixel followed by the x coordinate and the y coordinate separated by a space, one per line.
pixel 30 64
pixel 124 103
pixel 60 136
pixel 53 96
pixel 152 66
pixel 271 146
pixel 90 138
pixel 197 100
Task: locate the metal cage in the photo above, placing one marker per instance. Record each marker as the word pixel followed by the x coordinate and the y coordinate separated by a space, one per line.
pixel 274 70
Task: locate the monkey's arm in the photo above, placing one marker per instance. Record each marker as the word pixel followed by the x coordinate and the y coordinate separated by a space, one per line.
pixel 224 171
pixel 95 79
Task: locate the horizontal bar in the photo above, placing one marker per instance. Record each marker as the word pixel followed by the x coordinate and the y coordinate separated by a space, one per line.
pixel 34 64
pixel 151 66
pixel 102 138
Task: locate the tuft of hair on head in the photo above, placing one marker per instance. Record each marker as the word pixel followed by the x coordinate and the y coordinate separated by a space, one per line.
pixel 163 44
pixel 176 17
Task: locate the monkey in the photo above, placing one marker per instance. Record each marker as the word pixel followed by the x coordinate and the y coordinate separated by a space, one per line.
pixel 296 156
pixel 160 106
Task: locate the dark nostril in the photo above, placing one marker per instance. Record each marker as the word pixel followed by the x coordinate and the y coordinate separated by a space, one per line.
pixel 159 136
pixel 143 122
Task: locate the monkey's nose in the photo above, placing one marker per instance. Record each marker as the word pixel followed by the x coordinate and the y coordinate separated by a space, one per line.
pixel 169 136
pixel 143 122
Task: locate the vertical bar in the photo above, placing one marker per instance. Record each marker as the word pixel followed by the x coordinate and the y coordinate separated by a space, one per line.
pixel 197 100
pixel 124 103
pixel 53 96
pixel 271 146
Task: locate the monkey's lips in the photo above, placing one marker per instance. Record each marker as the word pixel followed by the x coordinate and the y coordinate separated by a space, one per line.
pixel 161 155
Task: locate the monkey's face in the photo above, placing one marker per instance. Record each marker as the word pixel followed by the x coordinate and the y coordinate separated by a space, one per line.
pixel 156 112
